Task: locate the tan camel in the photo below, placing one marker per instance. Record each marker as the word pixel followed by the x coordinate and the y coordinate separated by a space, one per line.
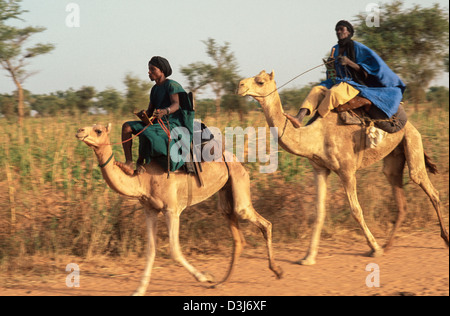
pixel 158 193
pixel 331 146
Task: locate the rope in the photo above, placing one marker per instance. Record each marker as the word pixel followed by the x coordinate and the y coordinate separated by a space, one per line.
pixel 165 128
pixel 161 123
pixel 278 88
pixel 368 121
pixel 310 69
pixel 131 138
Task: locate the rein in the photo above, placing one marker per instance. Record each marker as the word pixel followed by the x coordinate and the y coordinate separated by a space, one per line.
pixel 161 123
pixel 165 128
pixel 296 77
pixel 131 138
pixel 288 82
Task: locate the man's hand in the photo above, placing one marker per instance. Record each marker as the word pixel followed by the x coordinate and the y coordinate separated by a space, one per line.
pixel 329 61
pixel 160 113
pixel 345 61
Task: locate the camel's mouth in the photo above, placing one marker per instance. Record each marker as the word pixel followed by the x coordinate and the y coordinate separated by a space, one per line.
pixel 81 136
pixel 242 90
pixel 243 94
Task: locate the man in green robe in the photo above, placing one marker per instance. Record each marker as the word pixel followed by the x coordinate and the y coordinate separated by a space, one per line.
pixel 170 108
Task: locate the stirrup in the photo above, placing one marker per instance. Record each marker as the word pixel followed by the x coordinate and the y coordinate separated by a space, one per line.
pixel 140 169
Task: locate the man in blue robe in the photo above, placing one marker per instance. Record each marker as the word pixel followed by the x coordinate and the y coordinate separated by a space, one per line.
pixel 355 70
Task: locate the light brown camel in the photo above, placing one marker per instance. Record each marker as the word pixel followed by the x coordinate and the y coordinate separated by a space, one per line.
pixel 158 193
pixel 331 146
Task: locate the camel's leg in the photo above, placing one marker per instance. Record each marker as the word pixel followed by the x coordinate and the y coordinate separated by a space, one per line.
pixel 238 244
pixel 349 182
pixel 225 205
pixel 266 228
pixel 151 220
pixel 417 172
pixel 394 164
pixel 320 176
pixel 243 208
pixel 173 225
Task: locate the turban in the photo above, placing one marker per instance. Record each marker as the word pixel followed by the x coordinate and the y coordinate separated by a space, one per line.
pixel 347 25
pixel 162 64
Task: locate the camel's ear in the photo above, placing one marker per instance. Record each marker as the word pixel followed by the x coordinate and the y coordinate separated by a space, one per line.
pixel 272 74
pixel 108 128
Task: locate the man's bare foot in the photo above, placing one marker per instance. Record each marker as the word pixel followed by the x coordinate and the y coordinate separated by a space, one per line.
pixel 294 120
pixel 126 167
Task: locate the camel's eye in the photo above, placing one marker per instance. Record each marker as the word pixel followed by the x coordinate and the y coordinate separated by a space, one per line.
pixel 99 132
pixel 259 82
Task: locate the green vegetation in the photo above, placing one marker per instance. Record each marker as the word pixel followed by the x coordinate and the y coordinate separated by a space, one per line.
pixel 54 200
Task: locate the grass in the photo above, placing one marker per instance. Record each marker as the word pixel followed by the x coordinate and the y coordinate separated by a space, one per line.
pixel 54 201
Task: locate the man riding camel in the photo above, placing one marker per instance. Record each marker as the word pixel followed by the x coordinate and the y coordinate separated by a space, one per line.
pixel 356 70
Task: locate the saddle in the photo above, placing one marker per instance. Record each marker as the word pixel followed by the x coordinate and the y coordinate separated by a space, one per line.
pixel 355 103
pixel 359 111
pixel 194 165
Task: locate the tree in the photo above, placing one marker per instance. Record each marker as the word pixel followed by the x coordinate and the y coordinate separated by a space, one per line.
pixel 47 105
pixel 7 105
pixel 198 75
pixel 293 98
pixel 221 75
pixel 14 55
pixel 71 99
pixel 138 94
pixel 109 99
pixel 439 97
pixel 413 42
pixel 85 96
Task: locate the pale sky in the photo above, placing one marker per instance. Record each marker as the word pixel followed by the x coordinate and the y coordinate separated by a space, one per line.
pixel 116 37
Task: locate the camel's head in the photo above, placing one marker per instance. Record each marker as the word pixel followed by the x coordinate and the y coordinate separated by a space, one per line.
pixel 260 85
pixel 94 136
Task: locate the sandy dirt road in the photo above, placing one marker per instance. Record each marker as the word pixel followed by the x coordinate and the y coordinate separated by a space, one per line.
pixel 418 264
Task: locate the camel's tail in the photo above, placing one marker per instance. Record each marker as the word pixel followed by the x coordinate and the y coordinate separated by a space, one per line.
pixel 430 165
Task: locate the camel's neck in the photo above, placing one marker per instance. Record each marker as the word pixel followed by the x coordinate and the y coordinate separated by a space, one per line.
pixel 302 141
pixel 114 176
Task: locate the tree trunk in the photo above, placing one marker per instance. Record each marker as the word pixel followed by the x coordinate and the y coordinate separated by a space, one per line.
pixel 20 110
pixel 217 105
pixel 194 101
pixel 20 104
pixel 20 100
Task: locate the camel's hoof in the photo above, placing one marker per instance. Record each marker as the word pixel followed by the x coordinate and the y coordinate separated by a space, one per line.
pixel 444 236
pixel 278 272
pixel 206 277
pixel 376 253
pixel 306 262
pixel 387 247
pixel 216 286
pixel 138 293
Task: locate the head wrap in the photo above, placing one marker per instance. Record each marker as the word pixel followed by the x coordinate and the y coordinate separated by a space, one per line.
pixel 162 64
pixel 347 25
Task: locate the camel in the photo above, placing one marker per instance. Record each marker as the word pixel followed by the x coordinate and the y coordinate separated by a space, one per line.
pixel 331 146
pixel 171 195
